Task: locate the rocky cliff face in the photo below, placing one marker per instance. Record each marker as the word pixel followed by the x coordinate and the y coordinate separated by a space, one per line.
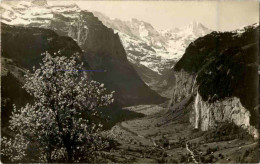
pixel 101 47
pixel 220 70
pixel 184 84
pixel 207 115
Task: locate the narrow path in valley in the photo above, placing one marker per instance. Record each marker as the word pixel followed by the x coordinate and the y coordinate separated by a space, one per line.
pixel 191 153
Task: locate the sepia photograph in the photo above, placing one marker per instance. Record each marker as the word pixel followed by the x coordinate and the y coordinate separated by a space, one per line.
pixel 136 81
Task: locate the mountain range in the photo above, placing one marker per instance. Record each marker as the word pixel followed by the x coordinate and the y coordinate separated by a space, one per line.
pixel 151 52
pixel 100 46
pixel 154 52
pixel 129 52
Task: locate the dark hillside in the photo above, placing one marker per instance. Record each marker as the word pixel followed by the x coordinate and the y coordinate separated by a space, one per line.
pixel 25 45
pixel 226 66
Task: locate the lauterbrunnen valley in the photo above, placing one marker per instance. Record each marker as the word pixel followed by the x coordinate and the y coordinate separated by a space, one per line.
pixel 129 82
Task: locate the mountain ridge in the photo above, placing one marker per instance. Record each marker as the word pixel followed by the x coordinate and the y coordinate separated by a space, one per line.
pixel 102 48
pixel 145 46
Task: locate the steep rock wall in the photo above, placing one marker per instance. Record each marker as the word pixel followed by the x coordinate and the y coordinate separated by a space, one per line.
pixel 206 115
pixel 183 86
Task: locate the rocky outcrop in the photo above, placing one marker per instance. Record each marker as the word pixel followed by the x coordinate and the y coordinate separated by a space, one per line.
pixel 78 32
pixel 184 84
pixel 207 115
pixel 220 71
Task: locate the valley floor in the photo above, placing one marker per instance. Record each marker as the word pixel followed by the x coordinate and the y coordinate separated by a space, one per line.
pixel 164 136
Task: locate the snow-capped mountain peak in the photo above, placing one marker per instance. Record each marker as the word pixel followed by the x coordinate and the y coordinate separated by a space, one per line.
pixel 195 24
pixel 195 28
pixel 33 12
pixel 156 50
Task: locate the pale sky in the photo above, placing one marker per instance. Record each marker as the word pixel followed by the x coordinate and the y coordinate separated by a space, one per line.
pixel 216 15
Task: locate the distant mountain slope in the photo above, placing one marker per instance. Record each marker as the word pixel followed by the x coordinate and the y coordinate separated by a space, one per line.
pixel 102 49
